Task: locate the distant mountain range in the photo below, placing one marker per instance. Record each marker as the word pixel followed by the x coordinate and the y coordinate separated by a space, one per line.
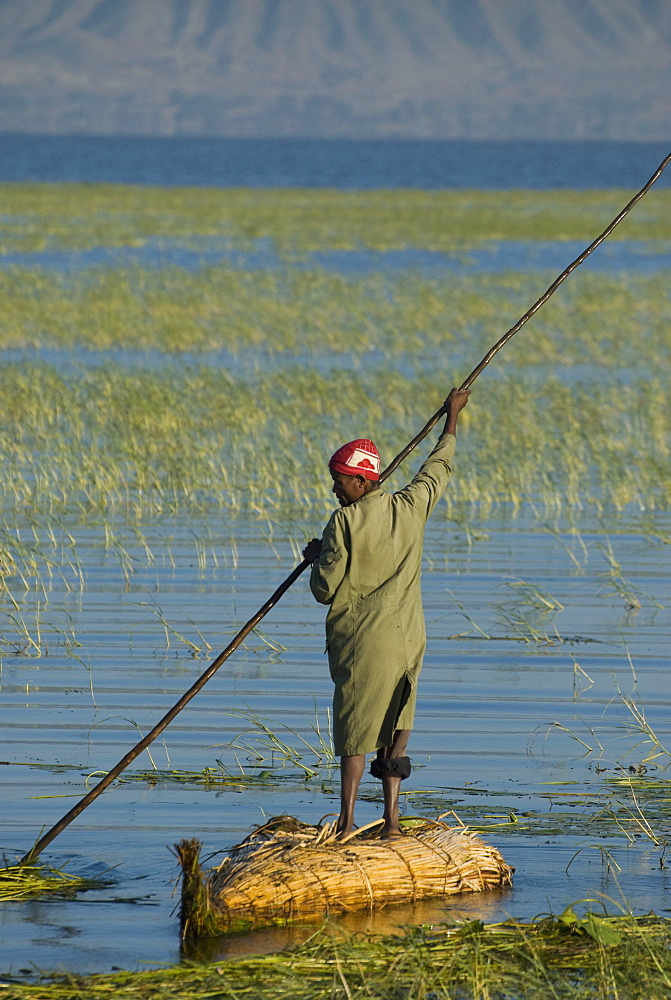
pixel 490 69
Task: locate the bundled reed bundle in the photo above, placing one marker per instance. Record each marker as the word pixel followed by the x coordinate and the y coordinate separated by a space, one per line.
pixel 287 870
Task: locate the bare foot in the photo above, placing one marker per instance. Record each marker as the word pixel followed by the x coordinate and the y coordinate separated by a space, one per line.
pixel 390 832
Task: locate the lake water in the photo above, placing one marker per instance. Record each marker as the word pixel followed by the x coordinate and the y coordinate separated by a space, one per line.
pixel 499 671
pixel 331 163
pixel 634 256
pixel 483 744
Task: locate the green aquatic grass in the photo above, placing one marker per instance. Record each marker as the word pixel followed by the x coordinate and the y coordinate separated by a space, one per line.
pixel 607 321
pixel 580 955
pixel 623 794
pixel 614 810
pixel 116 447
pixel 109 450
pixel 113 443
pixel 210 777
pixel 271 744
pixel 41 216
pixel 26 882
pixel 216 776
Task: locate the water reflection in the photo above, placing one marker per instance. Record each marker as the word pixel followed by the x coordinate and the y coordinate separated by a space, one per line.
pixel 487 907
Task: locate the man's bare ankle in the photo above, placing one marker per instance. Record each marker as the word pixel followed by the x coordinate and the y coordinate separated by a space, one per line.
pixel 390 830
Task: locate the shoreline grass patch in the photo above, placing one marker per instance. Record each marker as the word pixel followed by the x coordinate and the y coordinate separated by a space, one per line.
pixel 579 955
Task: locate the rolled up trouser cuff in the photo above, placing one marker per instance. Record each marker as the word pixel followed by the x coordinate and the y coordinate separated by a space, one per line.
pixel 397 767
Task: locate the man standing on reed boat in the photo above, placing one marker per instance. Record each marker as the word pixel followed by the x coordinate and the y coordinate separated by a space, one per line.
pixel 367 568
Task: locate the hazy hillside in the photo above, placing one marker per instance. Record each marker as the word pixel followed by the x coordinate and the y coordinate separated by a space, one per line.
pixel 433 68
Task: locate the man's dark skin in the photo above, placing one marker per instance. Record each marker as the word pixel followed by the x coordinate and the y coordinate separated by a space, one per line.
pixel 349 489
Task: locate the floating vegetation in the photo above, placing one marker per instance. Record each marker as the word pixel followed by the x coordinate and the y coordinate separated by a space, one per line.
pixel 615 810
pixel 209 777
pixel 583 954
pixel 35 881
pixel 213 777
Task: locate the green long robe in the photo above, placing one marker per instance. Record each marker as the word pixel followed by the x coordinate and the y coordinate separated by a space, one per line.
pixel 369 573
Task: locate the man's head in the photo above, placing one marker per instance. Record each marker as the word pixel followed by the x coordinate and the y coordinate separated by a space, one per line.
pixel 355 470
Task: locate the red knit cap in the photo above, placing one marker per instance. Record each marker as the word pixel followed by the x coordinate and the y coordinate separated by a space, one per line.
pixel 357 458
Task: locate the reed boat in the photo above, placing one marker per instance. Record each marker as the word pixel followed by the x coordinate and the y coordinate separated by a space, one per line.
pixel 287 871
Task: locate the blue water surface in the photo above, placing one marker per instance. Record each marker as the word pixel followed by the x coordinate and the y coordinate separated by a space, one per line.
pixel 348 164
pixel 491 256
pixel 495 709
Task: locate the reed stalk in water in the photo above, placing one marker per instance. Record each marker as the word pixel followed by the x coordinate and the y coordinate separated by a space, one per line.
pixel 575 956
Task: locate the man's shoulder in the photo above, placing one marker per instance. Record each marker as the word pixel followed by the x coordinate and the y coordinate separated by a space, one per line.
pixel 359 511
pixel 366 505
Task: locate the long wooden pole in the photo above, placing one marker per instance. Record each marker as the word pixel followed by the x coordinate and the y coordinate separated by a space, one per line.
pixel 105 782
pixel 135 751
